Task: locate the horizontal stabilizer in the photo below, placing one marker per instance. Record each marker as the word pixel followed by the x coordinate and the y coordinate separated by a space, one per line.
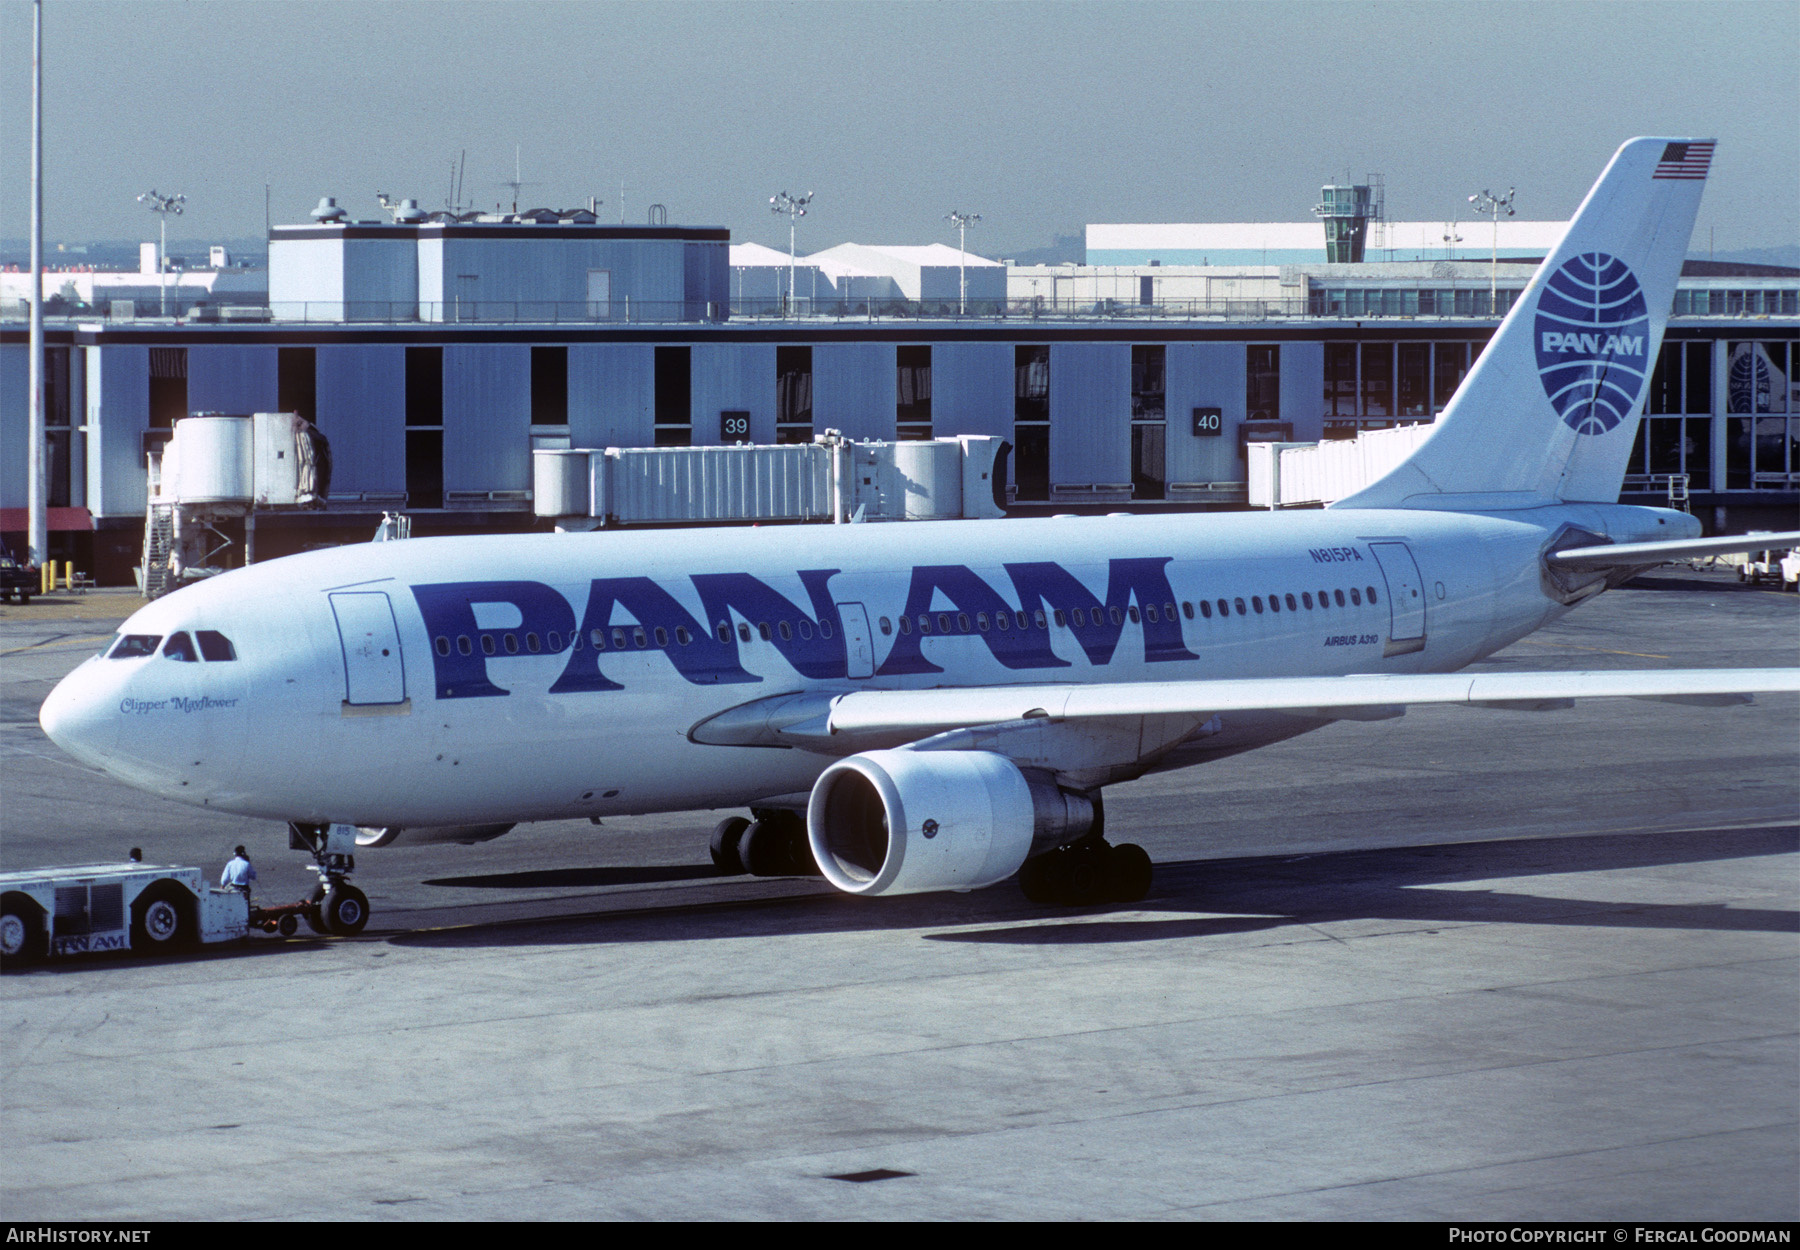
pixel 1630 555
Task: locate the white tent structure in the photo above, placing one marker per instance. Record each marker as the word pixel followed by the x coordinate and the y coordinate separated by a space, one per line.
pixel 931 272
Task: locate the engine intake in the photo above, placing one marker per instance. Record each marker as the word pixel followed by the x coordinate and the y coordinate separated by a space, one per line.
pixel 909 822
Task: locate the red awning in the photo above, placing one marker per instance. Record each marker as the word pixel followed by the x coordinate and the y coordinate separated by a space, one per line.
pixel 16 520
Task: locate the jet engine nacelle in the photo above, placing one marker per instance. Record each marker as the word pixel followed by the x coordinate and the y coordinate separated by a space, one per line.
pixel 426 835
pixel 907 822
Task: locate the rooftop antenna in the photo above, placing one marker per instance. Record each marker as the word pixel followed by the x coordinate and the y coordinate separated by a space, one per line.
pixel 1451 238
pixel 453 201
pixel 515 182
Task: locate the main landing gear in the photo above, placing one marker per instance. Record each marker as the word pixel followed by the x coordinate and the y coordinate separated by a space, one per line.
pixel 335 907
pixel 772 844
pixel 1086 872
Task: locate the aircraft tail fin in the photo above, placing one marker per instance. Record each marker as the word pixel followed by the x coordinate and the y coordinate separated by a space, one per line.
pixel 1550 409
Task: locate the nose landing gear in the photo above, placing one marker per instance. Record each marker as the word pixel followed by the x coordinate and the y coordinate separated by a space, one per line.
pixel 335 907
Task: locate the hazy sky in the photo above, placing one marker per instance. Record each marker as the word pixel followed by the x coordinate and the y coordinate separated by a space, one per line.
pixel 1040 116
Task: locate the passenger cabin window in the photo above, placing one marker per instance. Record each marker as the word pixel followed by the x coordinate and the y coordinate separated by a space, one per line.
pixel 180 647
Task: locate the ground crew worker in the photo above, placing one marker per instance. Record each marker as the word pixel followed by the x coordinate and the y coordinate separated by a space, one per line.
pixel 239 873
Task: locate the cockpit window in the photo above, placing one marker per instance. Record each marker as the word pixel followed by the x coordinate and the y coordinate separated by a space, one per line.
pixel 133 646
pixel 215 646
pixel 180 647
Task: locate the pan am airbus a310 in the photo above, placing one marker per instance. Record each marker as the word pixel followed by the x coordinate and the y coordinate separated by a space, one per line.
pixel 932 705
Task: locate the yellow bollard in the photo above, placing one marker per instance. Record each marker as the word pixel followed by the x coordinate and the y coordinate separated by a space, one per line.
pixel 68 575
pixel 46 576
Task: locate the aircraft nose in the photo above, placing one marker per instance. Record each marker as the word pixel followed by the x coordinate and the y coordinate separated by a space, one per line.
pixel 81 718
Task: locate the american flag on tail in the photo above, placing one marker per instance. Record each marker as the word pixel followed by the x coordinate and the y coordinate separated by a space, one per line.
pixel 1685 160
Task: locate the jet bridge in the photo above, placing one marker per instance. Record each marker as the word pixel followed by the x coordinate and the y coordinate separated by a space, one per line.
pixel 216 467
pixel 831 478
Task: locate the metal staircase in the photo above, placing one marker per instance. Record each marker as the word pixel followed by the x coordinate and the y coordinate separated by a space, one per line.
pixel 159 545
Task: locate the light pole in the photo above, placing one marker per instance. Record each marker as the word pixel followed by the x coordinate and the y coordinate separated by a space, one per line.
pixel 1493 205
pixel 962 222
pixel 795 208
pixel 37 523
pixel 163 206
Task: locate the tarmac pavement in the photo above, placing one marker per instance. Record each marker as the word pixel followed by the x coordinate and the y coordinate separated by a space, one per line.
pixel 1464 965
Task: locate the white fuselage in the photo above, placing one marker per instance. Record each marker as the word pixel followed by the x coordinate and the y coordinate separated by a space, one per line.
pixel 321 716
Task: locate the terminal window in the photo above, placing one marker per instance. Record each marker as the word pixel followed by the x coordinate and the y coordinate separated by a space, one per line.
pixel 912 391
pixel 549 386
pixel 1450 364
pixel 674 397
pixel 1682 380
pixel 1377 380
pixel 1031 421
pixel 424 427
pixel 58 433
pixel 1262 382
pixel 1414 394
pixel 297 381
pixel 793 395
pixel 1149 433
pixel 168 386
pixel 1762 433
pixel 1148 388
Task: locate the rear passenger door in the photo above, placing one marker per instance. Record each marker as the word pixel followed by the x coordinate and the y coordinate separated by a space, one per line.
pixel 1406 598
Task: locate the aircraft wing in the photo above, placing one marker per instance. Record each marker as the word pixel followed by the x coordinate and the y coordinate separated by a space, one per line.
pixel 1635 555
pixel 860 720
pixel 884 712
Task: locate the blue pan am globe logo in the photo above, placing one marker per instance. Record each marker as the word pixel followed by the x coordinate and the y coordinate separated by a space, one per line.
pixel 1593 341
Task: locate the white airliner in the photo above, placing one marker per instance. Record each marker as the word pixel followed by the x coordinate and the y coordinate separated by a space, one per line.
pixel 943 701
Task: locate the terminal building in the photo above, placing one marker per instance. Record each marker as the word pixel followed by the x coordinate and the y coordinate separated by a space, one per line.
pixel 436 355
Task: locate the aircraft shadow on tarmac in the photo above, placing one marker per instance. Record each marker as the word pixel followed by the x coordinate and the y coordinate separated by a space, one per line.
pixel 1693 585
pixel 1235 895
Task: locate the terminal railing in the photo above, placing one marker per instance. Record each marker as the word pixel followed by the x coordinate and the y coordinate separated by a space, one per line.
pixel 629 311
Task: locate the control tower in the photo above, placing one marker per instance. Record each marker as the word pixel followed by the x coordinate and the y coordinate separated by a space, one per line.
pixel 1348 209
